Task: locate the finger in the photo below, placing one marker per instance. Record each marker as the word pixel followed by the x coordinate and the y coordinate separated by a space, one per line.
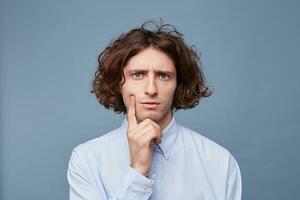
pixel 159 130
pixel 158 136
pixel 147 124
pixel 139 131
pixel 153 124
pixel 154 135
pixel 149 137
pixel 132 121
pixel 142 126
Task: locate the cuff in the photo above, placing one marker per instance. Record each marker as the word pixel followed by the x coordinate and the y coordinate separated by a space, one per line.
pixel 133 185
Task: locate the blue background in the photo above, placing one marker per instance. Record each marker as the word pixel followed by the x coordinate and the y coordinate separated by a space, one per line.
pixel 48 53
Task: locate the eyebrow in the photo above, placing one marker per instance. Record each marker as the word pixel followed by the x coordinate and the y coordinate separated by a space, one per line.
pixel 156 71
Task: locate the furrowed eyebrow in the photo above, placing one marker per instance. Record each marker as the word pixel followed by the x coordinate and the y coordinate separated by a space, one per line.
pixel 156 71
pixel 136 70
pixel 165 72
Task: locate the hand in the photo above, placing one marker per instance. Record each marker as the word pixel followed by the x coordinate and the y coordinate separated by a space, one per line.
pixel 140 139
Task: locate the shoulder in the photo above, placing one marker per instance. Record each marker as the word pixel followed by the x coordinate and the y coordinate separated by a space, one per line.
pixel 96 146
pixel 207 148
pixel 216 157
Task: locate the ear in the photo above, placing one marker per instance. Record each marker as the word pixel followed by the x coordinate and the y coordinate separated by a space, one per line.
pixel 121 82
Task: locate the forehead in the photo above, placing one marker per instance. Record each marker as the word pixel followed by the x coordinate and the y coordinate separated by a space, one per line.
pixel 151 58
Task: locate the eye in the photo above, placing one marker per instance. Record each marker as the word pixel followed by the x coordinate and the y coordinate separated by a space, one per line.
pixel 164 76
pixel 136 75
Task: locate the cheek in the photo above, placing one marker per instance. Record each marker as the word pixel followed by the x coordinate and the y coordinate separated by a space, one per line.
pixel 170 90
pixel 128 90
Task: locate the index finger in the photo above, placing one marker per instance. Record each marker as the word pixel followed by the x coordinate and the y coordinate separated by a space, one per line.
pixel 132 121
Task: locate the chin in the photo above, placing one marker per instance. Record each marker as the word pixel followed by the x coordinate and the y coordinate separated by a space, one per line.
pixel 153 116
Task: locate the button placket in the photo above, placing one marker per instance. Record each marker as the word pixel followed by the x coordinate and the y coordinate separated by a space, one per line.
pixel 148 189
pixel 153 177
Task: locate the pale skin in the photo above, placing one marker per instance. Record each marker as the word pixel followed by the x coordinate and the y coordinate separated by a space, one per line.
pixel 148 91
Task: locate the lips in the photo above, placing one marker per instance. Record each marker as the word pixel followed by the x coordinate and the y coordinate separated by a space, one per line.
pixel 150 104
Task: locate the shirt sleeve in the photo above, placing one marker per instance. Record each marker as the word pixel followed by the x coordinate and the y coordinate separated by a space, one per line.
pixel 82 186
pixel 234 181
pixel 133 186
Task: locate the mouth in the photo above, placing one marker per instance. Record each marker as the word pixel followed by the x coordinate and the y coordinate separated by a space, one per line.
pixel 150 105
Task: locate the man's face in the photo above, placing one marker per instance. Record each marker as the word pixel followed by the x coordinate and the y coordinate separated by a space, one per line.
pixel 150 76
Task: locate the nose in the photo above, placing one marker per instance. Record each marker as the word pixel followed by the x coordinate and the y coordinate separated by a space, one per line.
pixel 150 86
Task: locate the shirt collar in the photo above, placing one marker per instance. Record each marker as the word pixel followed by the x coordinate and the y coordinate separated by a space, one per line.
pixel 167 141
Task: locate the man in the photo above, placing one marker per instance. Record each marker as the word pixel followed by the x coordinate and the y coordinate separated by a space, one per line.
pixel 148 74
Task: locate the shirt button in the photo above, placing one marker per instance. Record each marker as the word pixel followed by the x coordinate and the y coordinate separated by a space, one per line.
pixel 148 189
pixel 153 176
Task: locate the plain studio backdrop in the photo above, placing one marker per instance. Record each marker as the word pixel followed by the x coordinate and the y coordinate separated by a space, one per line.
pixel 48 56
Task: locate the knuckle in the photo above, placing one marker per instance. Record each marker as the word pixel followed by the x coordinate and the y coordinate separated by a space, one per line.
pixel 130 135
pixel 140 144
pixel 154 134
pixel 152 125
pixel 132 138
pixel 158 132
pixel 157 129
pixel 157 126
pixel 143 123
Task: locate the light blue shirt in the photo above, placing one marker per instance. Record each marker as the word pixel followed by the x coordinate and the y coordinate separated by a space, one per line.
pixel 185 165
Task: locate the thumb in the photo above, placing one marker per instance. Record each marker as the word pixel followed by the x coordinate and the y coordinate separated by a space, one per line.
pixel 132 121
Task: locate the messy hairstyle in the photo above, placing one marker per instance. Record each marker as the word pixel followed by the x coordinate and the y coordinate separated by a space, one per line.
pixel 191 84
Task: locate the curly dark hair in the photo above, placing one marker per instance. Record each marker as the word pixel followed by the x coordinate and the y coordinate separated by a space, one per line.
pixel 112 60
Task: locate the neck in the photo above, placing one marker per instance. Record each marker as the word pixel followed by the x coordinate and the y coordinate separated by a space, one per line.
pixel 166 120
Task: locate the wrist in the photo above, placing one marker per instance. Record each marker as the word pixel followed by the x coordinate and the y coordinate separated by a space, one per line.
pixel 140 170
